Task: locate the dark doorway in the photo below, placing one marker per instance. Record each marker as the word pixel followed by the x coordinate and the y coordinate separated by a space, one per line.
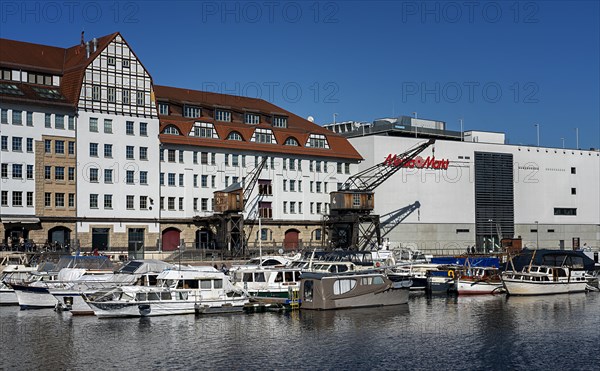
pixel 60 236
pixel 135 241
pixel 100 238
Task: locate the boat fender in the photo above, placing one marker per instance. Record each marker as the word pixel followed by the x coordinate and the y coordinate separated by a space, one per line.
pixel 378 264
pixel 451 274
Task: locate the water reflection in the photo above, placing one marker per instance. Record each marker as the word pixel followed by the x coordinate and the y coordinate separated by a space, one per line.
pixel 429 333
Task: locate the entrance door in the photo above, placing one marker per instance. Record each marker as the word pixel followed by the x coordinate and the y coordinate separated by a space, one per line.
pixel 59 235
pixel 100 238
pixel 202 239
pixel 170 239
pixel 135 242
pixel 290 241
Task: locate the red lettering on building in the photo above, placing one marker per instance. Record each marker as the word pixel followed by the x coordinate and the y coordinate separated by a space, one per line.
pixel 418 162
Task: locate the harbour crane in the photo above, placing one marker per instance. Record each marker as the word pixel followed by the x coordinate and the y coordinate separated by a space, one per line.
pixel 229 206
pixel 350 223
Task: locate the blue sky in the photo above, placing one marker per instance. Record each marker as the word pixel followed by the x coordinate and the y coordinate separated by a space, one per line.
pixel 499 65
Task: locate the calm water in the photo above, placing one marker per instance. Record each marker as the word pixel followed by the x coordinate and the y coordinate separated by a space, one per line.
pixel 553 332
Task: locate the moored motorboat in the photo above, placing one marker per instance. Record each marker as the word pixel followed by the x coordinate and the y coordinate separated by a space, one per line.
pixel 268 282
pixel 544 280
pixel 350 290
pixel 186 291
pixel 480 280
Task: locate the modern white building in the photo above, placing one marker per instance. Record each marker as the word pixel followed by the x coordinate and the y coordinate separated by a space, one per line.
pixel 546 196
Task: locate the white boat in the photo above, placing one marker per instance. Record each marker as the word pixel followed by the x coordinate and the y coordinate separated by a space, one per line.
pixel 186 291
pixel 13 274
pixel 350 290
pixel 543 280
pixel 480 281
pixel 142 272
pixel 267 282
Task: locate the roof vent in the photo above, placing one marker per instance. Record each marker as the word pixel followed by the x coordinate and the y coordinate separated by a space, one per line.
pixel 87 49
pixel 95 44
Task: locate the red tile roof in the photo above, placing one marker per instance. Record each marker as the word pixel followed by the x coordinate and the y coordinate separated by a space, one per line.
pixel 297 127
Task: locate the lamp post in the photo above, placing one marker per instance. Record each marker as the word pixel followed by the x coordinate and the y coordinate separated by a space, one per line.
pixel 537 235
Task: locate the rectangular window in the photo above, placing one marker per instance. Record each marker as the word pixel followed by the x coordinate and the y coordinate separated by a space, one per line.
pixel 191 111
pixel 129 202
pixel 204 158
pixel 195 202
pixel 319 205
pixel 292 186
pixel 71 199
pixel 59 121
pixel 252 119
pixel 318 187
pixel 17 117
pixel 204 204
pixel 93 175
pixel 48 172
pixel 285 207
pixel 30 199
pixel 17 198
pixel 108 126
pixel 171 179
pixel 108 150
pixel 129 128
pixel 235 160
pixel 5 143
pixel 17 144
pixel 204 181
pixel 96 93
pixel 171 203
pixel 340 168
pixel 143 153
pixel 180 203
pixel 94 149
pixel 108 201
pixel 71 148
pixel 171 155
pixel 143 202
pixel 125 63
pixel 162 203
pixel 181 156
pixel 71 122
pixel 279 122
pixel 126 96
pixel 573 191
pixel 29 171
pixel 4 200
pixel 221 115
pixel 565 211
pixel 462 231
pixel 129 176
pixel 93 201
pixel 195 180
pixel 285 185
pixel 111 61
pixel 292 207
pixel 71 174
pixel 573 170
pixel 59 147
pixel 59 200
pixel 93 125
pixel 17 171
pixel 162 178
pixel 181 183
pixel 143 129
pixel 213 181
pixel 29 118
pixel 108 175
pixel 47 199
pixel 29 144
pixel 318 166
pixel 129 152
pixel 140 98
pixel 111 94
pixel 59 173
pixel 312 210
pixel 195 157
pixel 48 120
pixel 163 109
pixel 4 171
pixel 47 146
pixel 143 177
pixel 3 116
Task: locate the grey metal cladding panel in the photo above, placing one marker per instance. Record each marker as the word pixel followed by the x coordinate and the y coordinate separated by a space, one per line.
pixel 494 193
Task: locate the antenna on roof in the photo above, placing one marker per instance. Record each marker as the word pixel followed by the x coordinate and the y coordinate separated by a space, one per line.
pixel 82 38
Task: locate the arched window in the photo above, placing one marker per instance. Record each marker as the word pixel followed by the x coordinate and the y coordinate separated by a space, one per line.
pixel 234 135
pixel 291 141
pixel 171 130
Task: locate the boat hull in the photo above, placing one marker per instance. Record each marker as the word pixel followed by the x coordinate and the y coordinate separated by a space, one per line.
pixel 385 298
pixel 8 297
pixel 142 309
pixel 467 287
pixel 30 297
pixel 518 287
pixel 74 303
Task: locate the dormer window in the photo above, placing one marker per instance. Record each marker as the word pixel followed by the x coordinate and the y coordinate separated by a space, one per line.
pixel 5 74
pixel 171 130
pixel 234 135
pixel 263 136
pixel 205 130
pixel 291 142
pixel 47 93
pixel 163 109
pixel 192 111
pixel 252 119
pixel 317 141
pixel 10 89
pixel 222 115
pixel 279 122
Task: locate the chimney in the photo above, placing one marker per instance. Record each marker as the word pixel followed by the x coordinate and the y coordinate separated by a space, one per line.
pixel 82 42
pixel 95 44
pixel 87 49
